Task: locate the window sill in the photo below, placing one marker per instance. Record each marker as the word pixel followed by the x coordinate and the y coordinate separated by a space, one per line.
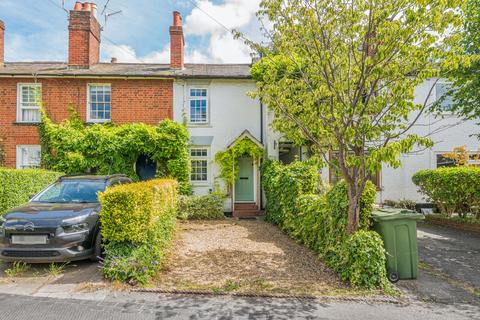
pixel 22 123
pixel 200 184
pixel 97 122
pixel 204 125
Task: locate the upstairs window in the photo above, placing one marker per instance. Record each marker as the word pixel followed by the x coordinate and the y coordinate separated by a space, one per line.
pixel 441 92
pixel 99 102
pixel 198 105
pixel 199 164
pixel 28 102
pixel 28 156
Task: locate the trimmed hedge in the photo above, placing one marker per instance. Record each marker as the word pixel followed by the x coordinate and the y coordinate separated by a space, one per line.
pixel 452 190
pixel 296 202
pixel 204 207
pixel 16 186
pixel 137 221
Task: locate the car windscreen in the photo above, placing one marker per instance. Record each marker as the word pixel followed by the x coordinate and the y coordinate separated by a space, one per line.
pixel 71 191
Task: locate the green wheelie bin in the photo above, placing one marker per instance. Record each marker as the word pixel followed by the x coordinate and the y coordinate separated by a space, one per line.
pixel 398 229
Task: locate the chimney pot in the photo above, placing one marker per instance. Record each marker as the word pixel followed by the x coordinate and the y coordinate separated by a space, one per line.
pixel 114 60
pixel 87 6
pixel 94 9
pixel 177 19
pixel 78 6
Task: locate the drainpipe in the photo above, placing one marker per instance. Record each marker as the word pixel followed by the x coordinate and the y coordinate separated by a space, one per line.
pixel 260 160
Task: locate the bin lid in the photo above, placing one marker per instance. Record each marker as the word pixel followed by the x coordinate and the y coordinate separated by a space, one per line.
pixel 394 214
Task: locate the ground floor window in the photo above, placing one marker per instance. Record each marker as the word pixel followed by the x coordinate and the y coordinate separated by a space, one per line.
pixel 450 159
pixel 199 160
pixel 28 156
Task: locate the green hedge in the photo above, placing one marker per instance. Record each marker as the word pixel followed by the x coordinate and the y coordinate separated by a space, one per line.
pixel 16 186
pixel 296 203
pixel 208 206
pixel 137 221
pixel 452 190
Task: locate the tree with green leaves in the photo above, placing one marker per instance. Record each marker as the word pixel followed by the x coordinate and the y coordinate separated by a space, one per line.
pixel 465 72
pixel 340 78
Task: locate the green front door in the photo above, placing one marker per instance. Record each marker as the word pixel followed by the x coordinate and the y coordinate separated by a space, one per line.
pixel 244 184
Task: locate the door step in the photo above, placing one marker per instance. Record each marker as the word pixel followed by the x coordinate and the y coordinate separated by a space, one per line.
pixel 246 210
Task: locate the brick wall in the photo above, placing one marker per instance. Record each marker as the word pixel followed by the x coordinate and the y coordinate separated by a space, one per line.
pixel 147 101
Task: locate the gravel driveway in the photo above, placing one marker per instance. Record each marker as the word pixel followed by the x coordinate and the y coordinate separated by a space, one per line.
pixel 243 256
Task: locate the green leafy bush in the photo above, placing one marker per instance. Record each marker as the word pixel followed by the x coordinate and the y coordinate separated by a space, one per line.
pixel 208 206
pixel 73 147
pixel 319 220
pixel 137 221
pixel 362 259
pixel 16 186
pixel 452 190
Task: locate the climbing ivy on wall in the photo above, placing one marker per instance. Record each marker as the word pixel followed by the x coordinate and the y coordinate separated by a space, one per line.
pixel 73 147
pixel 227 159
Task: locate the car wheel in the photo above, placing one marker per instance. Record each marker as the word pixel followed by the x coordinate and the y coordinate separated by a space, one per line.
pixel 97 248
pixel 393 277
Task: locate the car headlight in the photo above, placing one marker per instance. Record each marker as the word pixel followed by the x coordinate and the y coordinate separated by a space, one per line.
pixel 78 227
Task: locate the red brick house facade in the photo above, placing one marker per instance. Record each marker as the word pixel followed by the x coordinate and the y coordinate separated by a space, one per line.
pixel 98 91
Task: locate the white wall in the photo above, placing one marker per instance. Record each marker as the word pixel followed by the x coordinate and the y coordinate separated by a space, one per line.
pixel 447 132
pixel 231 113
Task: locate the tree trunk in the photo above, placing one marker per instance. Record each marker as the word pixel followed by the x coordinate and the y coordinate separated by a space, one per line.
pixel 354 195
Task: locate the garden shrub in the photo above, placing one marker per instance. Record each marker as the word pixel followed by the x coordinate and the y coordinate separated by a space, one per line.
pixel 73 147
pixel 16 186
pixel 208 206
pixel 362 259
pixel 137 221
pixel 452 190
pixel 319 220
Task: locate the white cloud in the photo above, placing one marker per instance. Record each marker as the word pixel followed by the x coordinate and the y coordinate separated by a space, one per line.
pixel 219 45
pixel 233 14
pixel 125 53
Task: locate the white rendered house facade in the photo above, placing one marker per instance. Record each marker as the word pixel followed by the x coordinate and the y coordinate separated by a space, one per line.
pixel 218 111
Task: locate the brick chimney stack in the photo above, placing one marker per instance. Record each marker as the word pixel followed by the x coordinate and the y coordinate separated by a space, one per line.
pixel 83 36
pixel 2 43
pixel 177 42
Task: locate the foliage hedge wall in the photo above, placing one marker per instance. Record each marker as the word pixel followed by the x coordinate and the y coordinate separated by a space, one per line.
pixel 73 147
pixel 16 186
pixel 452 190
pixel 204 207
pixel 137 220
pixel 318 218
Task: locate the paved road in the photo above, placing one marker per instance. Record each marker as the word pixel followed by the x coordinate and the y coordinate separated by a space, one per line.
pixel 152 306
pixel 450 266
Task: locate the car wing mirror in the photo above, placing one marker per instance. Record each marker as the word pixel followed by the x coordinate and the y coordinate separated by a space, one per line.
pixel 30 197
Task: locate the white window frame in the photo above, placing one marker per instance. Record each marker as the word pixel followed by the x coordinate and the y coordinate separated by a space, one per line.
pixel 207 158
pixel 20 102
pixel 19 159
pixel 442 82
pixel 88 102
pixel 207 110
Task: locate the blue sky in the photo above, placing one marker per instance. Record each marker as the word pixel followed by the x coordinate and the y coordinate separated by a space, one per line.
pixel 37 30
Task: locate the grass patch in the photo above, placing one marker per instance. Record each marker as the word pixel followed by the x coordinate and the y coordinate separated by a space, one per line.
pixel 17 268
pixel 56 269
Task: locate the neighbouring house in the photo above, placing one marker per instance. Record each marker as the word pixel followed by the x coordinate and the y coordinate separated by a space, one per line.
pixel 211 99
